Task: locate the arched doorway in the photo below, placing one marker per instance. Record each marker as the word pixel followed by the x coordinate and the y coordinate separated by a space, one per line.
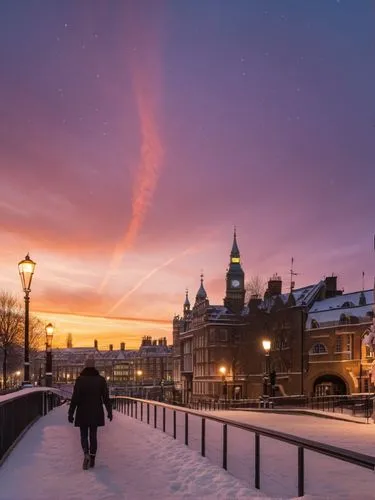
pixel 329 385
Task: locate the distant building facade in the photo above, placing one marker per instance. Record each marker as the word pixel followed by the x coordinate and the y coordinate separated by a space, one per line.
pixel 150 364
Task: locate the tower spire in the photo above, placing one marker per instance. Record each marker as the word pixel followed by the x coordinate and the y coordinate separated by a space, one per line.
pixel 235 257
pixel 186 303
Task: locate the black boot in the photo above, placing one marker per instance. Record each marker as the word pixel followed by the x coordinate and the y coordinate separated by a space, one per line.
pixel 92 460
pixel 86 461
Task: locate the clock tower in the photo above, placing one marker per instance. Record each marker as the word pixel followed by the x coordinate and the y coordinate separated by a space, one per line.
pixel 235 280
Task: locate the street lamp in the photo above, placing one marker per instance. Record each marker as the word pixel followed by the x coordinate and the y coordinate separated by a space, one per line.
pixel 26 269
pixel 49 337
pixel 139 374
pixel 267 348
pixel 18 374
pixel 223 371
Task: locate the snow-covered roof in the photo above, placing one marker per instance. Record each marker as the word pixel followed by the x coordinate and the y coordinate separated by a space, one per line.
pixel 154 350
pixel 302 296
pixel 328 312
pixel 340 300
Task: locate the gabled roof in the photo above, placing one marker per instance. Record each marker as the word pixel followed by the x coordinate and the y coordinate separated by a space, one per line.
pixel 303 297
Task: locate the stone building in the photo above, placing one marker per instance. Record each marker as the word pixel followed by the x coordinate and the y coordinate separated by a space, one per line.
pixel 150 364
pixel 218 351
pixel 338 362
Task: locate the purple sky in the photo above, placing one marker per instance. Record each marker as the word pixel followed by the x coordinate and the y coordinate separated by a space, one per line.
pixel 136 134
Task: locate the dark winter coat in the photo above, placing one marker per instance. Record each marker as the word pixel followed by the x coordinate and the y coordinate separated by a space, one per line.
pixel 89 394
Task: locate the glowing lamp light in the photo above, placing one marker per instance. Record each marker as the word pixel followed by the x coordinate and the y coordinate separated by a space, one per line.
pixel 49 334
pixel 139 373
pixel 222 370
pixel 26 269
pixel 266 345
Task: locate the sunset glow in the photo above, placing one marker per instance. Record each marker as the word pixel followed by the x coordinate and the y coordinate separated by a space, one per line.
pixel 136 135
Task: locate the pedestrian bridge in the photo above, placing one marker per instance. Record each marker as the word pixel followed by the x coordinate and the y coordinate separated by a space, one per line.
pixel 139 461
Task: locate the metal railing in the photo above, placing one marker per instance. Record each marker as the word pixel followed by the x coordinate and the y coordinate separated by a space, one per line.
pixel 142 409
pixel 18 413
pixel 355 404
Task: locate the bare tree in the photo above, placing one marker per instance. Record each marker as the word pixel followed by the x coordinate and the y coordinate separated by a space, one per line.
pixel 11 322
pixel 255 287
pixel 36 333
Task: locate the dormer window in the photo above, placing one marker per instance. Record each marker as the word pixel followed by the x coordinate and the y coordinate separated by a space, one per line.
pixel 314 323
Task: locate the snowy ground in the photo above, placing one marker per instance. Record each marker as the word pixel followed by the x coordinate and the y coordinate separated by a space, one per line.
pixel 135 462
pixel 325 477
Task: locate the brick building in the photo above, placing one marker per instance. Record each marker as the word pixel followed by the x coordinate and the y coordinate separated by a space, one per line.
pixel 315 334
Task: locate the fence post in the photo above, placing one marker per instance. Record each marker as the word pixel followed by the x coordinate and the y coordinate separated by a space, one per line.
pixel 203 438
pixel 148 413
pixel 142 411
pixel 131 407
pixel 174 425
pixel 163 418
pixel 155 416
pixel 136 410
pixel 301 472
pixel 257 461
pixel 187 429
pixel 225 446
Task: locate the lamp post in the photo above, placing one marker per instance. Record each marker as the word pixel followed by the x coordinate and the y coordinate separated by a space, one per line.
pixel 139 374
pixel 267 348
pixel 49 337
pixel 223 372
pixel 26 269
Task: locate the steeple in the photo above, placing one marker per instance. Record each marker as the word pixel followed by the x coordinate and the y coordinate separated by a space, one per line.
pixel 235 279
pixel 235 257
pixel 186 304
pixel 201 294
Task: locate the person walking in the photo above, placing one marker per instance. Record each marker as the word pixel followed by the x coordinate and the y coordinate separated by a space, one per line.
pixel 89 394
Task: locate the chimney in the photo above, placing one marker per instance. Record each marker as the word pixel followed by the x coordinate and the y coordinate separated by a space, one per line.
pixel 254 303
pixel 275 285
pixel 96 344
pixel 154 342
pixel 160 342
pixel 331 287
pixel 111 347
pixel 122 346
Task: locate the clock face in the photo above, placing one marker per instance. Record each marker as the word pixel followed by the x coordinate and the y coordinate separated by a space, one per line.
pixel 235 283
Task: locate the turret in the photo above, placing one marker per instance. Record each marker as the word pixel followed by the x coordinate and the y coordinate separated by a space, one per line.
pixel 186 305
pixel 201 293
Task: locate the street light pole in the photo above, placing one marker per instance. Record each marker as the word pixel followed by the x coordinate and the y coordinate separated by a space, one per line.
pixel 223 372
pixel 267 348
pixel 49 336
pixel 26 269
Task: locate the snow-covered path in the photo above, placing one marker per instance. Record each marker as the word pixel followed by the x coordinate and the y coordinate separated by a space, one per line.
pixel 134 462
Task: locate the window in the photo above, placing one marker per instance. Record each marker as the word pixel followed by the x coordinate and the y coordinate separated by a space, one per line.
pixel 318 349
pixel 338 347
pixel 222 335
